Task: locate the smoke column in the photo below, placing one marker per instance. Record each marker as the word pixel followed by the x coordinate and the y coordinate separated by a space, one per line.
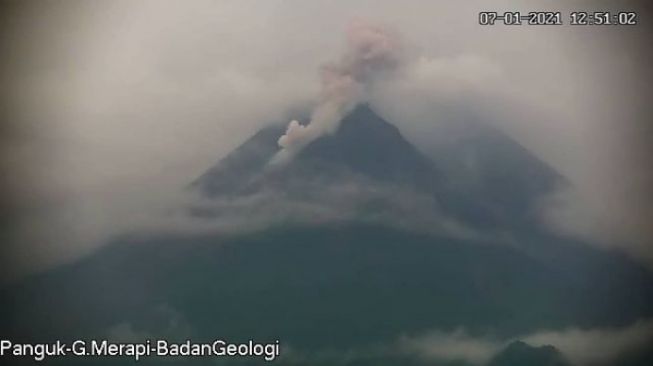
pixel 371 51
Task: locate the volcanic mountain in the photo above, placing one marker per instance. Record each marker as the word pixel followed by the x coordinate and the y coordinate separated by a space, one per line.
pixel 368 151
pixel 343 290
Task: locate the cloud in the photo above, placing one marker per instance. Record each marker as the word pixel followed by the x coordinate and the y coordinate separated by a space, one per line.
pixel 452 346
pixel 581 126
pixel 353 199
pixel 162 322
pixel 594 346
pixel 581 347
pixel 608 222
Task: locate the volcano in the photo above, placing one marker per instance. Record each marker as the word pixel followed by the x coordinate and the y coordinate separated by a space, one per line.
pixel 345 291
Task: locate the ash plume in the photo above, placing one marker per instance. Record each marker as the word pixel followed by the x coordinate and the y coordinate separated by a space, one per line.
pixel 372 50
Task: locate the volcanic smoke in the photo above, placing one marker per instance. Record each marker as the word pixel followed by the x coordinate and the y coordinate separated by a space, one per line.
pixel 371 51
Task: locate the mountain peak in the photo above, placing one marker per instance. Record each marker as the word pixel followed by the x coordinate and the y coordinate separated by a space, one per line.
pixel 365 145
pixel 369 145
pixel 363 116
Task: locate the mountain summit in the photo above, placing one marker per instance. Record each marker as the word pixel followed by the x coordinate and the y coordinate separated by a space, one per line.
pixel 365 147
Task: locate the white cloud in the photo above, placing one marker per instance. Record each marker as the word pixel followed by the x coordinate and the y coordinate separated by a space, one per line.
pixel 452 346
pixel 596 346
pixel 582 347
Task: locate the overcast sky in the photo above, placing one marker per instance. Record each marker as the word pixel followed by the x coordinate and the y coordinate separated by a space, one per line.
pixel 113 106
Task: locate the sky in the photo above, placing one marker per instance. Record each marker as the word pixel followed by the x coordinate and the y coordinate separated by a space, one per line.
pixel 111 108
